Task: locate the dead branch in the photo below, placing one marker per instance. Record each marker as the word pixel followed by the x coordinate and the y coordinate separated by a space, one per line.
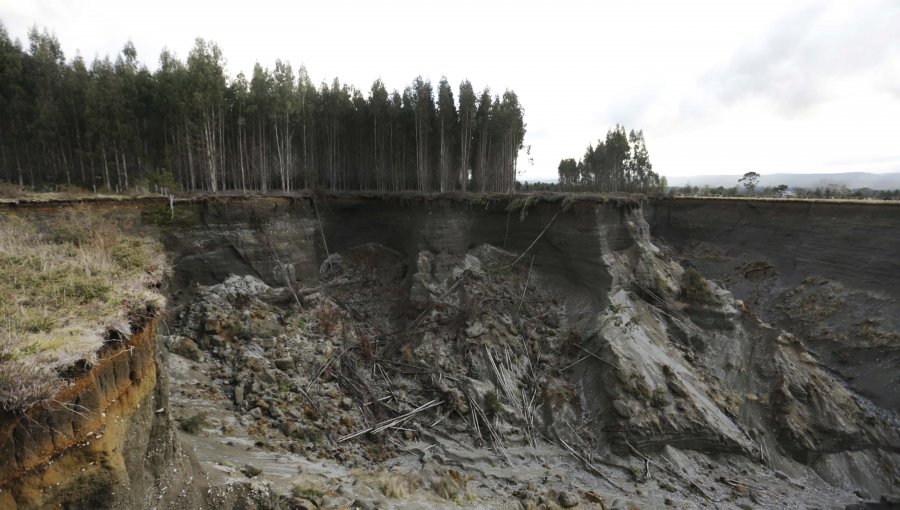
pixel 393 422
pixel 592 467
pixel 536 239
pixel 598 358
pixel 321 227
pixel 495 438
pixel 316 408
pixel 673 471
pixel 525 289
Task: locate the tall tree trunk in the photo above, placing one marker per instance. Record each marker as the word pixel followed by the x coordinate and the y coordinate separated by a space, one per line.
pixel 125 171
pixel 106 170
pixel 241 158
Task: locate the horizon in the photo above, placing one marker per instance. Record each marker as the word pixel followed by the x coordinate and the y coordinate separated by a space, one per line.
pixel 771 174
pixel 809 88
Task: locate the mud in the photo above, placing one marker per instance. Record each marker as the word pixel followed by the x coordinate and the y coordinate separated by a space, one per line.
pixel 622 363
pixel 440 352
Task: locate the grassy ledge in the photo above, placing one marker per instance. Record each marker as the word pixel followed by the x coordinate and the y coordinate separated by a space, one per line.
pixel 69 282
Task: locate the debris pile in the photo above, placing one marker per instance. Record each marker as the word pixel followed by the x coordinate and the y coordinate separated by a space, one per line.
pixel 480 378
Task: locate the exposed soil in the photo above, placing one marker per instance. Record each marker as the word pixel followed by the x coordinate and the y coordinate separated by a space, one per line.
pixel 444 379
pixel 439 352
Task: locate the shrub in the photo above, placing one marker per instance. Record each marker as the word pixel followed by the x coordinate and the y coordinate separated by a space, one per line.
pixel 194 424
pixel 694 287
pixel 129 253
pixel 70 235
pixel 491 403
pixel 658 398
pixel 159 178
pixel 310 434
pixel 452 486
pixel 398 486
pixel 174 216
pixel 36 320
pixel 307 491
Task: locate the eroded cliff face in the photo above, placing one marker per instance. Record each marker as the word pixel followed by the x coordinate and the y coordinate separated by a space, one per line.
pixel 542 352
pixel 828 272
pixel 649 367
pixel 105 441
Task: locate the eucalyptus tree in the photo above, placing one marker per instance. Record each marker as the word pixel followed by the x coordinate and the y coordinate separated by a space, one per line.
pixel 77 83
pixel 407 161
pixel 640 171
pixel 483 134
pixel 307 104
pixel 378 109
pixel 206 75
pixel 510 135
pixel 283 110
pixel 44 73
pixel 750 180
pixel 114 124
pixel 125 101
pixel 569 178
pixel 14 102
pixel 423 99
pixel 259 111
pixel 468 107
pixel 616 155
pixel 619 162
pixel 447 126
pixel 237 97
pixel 104 107
pixel 173 102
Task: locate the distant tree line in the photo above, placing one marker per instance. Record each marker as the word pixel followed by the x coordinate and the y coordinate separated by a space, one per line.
pixel 784 191
pixel 116 125
pixel 620 162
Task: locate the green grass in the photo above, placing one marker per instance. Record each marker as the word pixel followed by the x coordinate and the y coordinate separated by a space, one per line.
pixel 129 253
pixel 66 278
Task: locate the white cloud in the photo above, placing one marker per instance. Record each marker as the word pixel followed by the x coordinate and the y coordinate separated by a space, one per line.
pixel 718 87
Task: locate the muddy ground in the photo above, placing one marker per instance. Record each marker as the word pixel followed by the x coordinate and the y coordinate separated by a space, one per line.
pixel 480 380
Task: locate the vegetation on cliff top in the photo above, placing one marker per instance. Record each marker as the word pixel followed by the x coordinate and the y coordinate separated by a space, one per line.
pixel 68 280
pixel 621 162
pixel 115 125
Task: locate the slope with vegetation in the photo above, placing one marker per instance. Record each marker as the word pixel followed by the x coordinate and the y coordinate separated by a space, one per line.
pixel 70 281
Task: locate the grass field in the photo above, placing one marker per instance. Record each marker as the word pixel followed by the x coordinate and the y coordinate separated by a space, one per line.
pixel 67 280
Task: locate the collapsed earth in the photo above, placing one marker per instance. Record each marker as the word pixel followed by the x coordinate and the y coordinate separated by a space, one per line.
pixel 442 351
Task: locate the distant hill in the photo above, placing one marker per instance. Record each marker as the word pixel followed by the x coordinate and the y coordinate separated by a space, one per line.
pixel 850 179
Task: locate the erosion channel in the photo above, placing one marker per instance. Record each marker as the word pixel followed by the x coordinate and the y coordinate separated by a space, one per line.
pixel 438 351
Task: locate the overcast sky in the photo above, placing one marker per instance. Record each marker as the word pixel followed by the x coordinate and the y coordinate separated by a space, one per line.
pixel 719 87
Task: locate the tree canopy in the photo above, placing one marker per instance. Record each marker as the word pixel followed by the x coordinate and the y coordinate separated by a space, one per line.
pixel 750 180
pixel 113 124
pixel 620 162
